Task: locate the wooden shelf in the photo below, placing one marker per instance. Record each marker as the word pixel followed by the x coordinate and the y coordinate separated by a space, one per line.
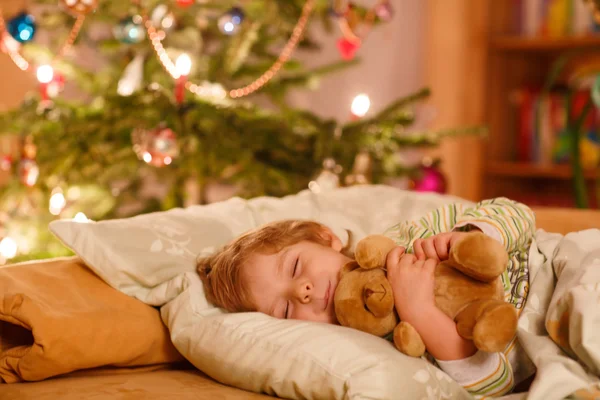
pixel 520 43
pixel 527 170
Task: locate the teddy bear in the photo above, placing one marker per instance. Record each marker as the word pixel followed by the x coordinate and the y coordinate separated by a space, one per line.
pixel 468 289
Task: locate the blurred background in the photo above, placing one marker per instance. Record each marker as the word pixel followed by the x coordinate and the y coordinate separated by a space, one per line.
pixel 111 109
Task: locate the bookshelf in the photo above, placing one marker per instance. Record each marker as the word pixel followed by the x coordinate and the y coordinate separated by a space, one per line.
pixel 520 43
pixel 533 171
pixel 513 62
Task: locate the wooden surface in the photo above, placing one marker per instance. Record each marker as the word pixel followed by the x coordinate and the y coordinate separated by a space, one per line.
pixel 565 220
pixel 455 70
pixel 154 385
pixel 519 43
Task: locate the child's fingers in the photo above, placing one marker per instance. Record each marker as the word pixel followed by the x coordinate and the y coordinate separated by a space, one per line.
pixel 454 238
pixel 430 264
pixel 442 246
pixel 394 255
pixel 395 265
pixel 429 249
pixel 407 260
pixel 418 249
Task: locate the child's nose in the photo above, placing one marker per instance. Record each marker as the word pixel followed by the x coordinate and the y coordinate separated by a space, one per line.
pixel 304 292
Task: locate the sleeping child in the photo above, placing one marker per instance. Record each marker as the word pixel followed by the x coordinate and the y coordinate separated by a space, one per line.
pixel 290 269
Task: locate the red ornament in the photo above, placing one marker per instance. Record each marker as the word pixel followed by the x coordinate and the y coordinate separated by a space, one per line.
pixel 430 179
pixel 157 147
pixel 348 48
pixel 54 87
pixel 185 3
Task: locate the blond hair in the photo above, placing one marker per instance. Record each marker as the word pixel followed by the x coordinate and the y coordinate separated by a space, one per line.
pixel 221 272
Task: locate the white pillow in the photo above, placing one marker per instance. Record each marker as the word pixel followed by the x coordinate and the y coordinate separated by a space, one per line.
pixel 295 359
pixel 152 257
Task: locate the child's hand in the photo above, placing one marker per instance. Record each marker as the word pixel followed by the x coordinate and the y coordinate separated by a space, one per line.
pixel 412 283
pixel 437 246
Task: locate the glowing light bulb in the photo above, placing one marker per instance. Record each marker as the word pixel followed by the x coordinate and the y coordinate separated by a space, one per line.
pixel 360 105
pixel 8 248
pixel 183 64
pixel 57 203
pixel 45 73
pixel 81 218
pixel 229 27
pixel 147 157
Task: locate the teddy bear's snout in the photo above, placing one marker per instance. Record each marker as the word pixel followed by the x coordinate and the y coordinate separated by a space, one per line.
pixel 378 300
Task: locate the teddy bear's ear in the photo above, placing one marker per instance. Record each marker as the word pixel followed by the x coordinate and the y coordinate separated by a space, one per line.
pixel 351 266
pixel 371 251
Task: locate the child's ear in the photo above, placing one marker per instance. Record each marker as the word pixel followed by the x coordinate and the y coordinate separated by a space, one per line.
pixel 332 238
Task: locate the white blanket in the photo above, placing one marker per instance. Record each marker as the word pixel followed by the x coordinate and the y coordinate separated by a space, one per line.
pixel 559 327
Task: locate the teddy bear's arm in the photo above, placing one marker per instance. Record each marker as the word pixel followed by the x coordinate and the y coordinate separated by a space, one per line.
pixel 479 257
pixel 408 340
pixel 490 323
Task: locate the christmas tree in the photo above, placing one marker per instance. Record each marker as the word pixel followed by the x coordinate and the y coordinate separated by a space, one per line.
pixel 180 96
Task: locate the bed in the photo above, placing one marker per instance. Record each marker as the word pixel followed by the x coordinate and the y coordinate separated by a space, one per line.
pixel 175 378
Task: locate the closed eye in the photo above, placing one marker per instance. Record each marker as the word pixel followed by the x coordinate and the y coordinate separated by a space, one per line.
pixel 287 306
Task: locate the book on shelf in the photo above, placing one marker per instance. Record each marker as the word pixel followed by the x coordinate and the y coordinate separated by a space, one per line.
pixel 541 120
pixel 553 18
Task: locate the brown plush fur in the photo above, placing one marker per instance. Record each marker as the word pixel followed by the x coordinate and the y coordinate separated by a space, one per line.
pixel 467 288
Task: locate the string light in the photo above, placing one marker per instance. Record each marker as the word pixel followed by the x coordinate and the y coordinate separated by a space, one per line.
pixel 12 47
pixel 57 202
pixel 8 248
pixel 360 105
pixel 156 38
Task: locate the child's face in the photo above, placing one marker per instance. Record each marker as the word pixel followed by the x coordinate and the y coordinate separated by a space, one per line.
pixel 298 282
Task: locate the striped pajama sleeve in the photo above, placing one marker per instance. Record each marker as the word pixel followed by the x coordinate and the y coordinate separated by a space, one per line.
pixel 515 222
pixel 440 220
